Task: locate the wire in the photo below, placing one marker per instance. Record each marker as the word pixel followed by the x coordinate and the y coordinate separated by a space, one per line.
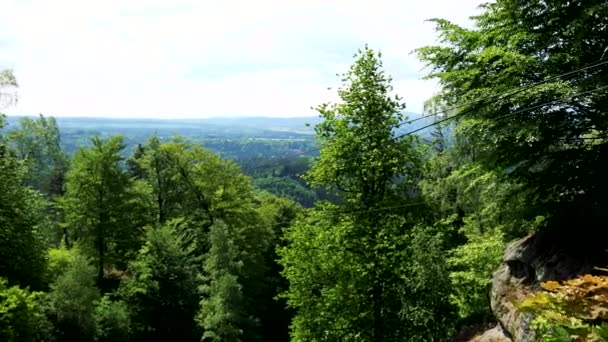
pixel 517 112
pixel 279 179
pixel 496 96
pixel 427 202
pixel 549 103
pixel 590 66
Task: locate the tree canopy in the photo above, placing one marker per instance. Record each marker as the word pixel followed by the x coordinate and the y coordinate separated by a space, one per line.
pixel 394 237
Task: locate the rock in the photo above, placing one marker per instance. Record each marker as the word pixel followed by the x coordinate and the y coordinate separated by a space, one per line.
pixel 495 334
pixel 528 262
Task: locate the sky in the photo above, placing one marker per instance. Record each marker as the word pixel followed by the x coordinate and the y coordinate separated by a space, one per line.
pixel 209 58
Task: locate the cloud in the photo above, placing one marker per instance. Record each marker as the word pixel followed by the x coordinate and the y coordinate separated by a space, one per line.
pixel 193 58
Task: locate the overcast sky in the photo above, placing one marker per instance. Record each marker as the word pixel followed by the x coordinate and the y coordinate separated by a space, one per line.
pixel 204 58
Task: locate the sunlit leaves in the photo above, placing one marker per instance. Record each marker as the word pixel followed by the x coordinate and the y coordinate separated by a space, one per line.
pixel 570 310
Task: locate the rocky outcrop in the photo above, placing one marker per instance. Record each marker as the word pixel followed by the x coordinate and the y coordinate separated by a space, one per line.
pixel 530 261
pixel 495 334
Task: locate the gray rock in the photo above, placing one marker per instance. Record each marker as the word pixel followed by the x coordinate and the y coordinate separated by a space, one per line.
pixel 530 261
pixel 495 334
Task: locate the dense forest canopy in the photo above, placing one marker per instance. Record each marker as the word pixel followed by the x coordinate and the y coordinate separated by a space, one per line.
pixel 377 230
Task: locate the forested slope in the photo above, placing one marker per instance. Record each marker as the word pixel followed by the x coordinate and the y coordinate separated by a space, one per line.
pixel 173 242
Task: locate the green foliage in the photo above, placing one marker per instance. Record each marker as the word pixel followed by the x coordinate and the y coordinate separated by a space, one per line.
pixel 161 286
pixel 526 148
pixel 275 316
pixel 186 178
pixel 59 259
pixel 199 188
pixel 38 143
pixel 472 267
pixel 288 188
pixel 570 311
pixel 424 295
pixel 322 277
pixel 328 278
pixel 353 273
pixel 21 316
pixel 100 205
pixel 73 296
pixel 357 135
pixel 112 320
pixel 157 164
pixel 542 138
pixel 21 212
pixel 403 250
pixel 222 310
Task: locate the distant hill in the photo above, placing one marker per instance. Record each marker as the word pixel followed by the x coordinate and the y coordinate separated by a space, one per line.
pixel 229 136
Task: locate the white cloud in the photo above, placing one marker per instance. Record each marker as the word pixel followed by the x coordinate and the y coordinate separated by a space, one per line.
pixel 197 58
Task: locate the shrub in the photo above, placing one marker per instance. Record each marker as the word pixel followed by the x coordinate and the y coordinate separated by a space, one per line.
pixel 572 310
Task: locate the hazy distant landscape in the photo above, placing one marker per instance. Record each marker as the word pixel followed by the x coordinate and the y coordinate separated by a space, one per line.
pixel 234 137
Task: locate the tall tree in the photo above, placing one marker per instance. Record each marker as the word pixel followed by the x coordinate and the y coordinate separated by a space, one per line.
pixel 100 205
pixel 168 169
pixel 73 295
pixel 222 311
pixel 529 83
pixel 275 316
pixel 21 212
pixel 21 209
pixel 162 288
pixel 347 265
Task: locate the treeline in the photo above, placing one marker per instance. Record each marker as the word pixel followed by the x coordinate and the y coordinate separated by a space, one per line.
pixel 176 243
pixel 233 140
pixel 171 243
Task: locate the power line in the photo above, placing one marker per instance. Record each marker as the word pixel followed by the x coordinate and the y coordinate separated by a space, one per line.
pixel 535 84
pixel 278 179
pixel 550 103
pixel 495 96
pixel 466 112
pixel 427 202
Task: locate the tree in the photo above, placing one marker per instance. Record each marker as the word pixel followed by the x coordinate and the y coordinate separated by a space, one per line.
pixel 187 180
pixel 527 88
pixel 73 296
pixel 342 261
pixel 21 211
pixel 167 168
pixel 37 142
pixel 161 287
pixel 8 88
pixel 222 311
pixel 100 205
pixel 21 315
pixel 112 320
pixel 518 115
pixel 275 316
pixel 324 279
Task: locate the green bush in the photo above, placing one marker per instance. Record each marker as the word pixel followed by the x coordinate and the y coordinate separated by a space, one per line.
pixel 21 317
pixel 73 295
pixel 472 266
pixel 112 320
pixel 574 310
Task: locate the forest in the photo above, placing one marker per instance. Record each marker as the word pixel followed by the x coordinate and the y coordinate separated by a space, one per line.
pixel 379 234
